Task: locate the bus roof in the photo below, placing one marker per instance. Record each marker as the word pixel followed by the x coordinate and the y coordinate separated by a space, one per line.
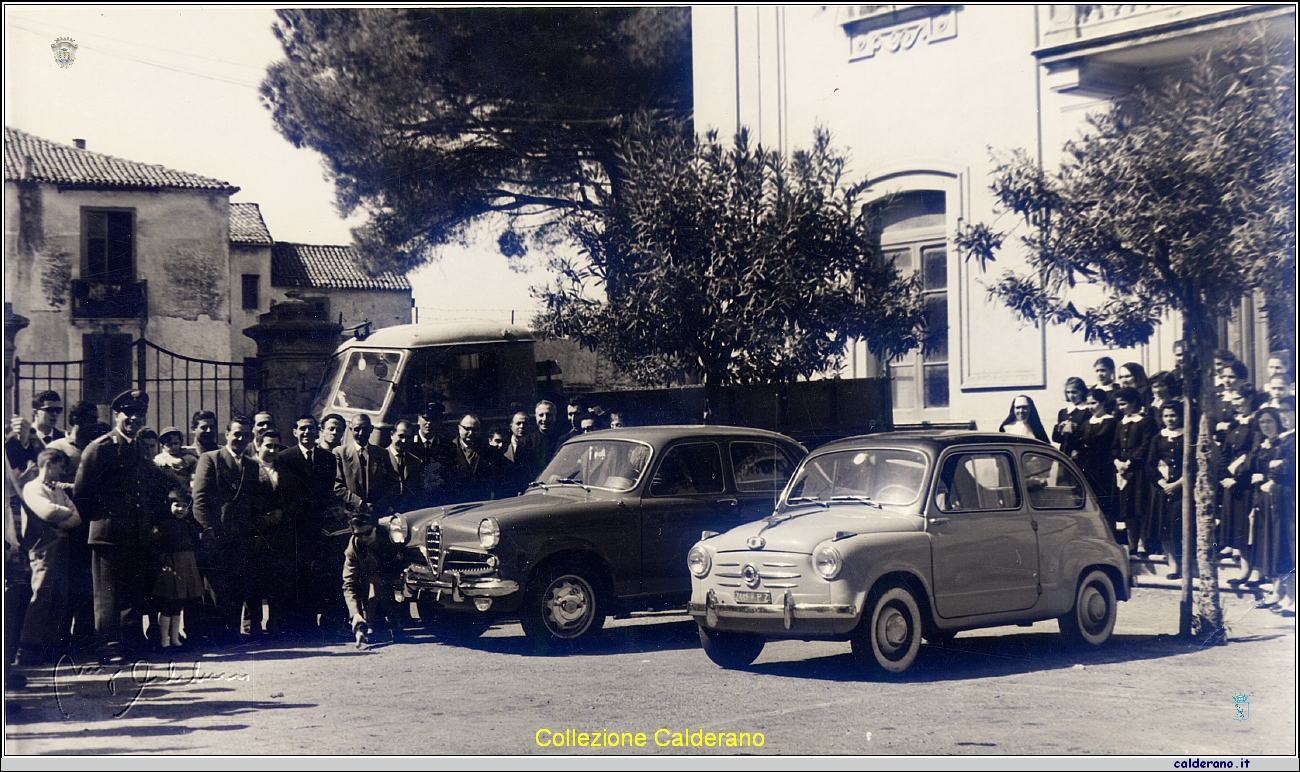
pixel 444 334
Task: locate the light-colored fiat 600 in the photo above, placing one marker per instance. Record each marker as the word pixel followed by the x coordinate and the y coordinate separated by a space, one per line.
pixel 890 538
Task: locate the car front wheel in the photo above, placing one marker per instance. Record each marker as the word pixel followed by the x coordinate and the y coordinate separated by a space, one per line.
pixel 1092 619
pixel 891 636
pixel 733 651
pixel 561 607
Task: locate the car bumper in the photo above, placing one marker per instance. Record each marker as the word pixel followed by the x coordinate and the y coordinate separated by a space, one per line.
pixel 420 580
pixel 783 617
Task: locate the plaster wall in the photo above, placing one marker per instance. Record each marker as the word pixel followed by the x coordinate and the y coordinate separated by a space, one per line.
pixel 919 112
pixel 181 250
pixel 256 260
pixel 384 308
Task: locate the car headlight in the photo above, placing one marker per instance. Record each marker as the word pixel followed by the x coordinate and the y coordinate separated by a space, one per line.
pixel 699 561
pixel 489 533
pixel 397 529
pixel 827 562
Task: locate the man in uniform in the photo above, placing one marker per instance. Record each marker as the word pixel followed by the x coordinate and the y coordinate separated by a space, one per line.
pixel 47 408
pixel 229 503
pixel 116 489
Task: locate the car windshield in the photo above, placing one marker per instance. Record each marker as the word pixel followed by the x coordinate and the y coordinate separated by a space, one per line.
pixel 615 465
pixel 886 476
pixel 367 380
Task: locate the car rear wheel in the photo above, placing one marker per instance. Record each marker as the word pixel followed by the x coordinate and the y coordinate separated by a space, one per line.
pixel 1092 619
pixel 891 636
pixel 562 606
pixel 733 651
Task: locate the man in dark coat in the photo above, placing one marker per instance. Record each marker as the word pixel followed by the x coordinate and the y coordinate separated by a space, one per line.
pixel 116 490
pixel 305 476
pixel 474 469
pixel 413 481
pixel 230 505
pixel 47 407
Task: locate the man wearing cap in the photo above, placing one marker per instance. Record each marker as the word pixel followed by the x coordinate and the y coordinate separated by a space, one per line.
pixel 47 408
pixel 116 489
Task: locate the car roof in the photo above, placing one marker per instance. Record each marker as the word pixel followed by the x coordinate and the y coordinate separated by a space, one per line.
pixel 934 439
pixel 660 435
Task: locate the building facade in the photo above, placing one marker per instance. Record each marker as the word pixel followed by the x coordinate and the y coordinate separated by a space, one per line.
pixel 919 94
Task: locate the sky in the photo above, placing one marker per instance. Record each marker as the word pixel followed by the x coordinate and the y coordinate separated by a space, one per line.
pixel 177 86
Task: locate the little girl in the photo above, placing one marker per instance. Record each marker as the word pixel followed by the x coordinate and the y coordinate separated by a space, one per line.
pixel 178 574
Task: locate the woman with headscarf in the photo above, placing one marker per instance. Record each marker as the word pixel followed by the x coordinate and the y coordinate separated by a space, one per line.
pixel 1023 419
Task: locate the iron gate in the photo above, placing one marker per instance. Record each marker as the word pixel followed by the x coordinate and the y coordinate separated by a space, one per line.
pixel 178 386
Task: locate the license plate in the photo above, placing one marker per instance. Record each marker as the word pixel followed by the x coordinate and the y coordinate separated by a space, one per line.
pixel 753 597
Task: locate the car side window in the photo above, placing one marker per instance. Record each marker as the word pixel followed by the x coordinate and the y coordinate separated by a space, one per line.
pixel 1050 484
pixel 975 482
pixel 689 469
pixel 759 466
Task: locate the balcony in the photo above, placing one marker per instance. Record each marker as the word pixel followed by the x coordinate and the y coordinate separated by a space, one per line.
pixel 109 299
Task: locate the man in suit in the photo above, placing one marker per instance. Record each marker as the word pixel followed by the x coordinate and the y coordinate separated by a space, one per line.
pixel 204 427
pixel 474 470
pixel 364 480
pixel 306 475
pixel 117 487
pixel 47 408
pixel 231 504
pixel 412 483
pixel 537 449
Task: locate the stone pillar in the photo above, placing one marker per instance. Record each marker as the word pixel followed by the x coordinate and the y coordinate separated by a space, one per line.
pixel 294 342
pixel 14 324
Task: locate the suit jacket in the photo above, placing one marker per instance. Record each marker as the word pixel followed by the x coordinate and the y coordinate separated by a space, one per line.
pixel 410 479
pixel 117 491
pixel 474 480
pixel 376 487
pixel 306 491
pixel 229 495
pixel 536 451
pixel 56 434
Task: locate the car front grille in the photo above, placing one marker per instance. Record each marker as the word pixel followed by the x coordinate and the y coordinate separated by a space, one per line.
pixel 776 570
pixel 433 547
pixel 467 564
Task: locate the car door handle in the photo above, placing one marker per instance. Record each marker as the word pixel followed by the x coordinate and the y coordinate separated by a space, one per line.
pixel 729 502
pixel 938 520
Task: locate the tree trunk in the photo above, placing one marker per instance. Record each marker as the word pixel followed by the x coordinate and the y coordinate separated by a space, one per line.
pixel 1207 621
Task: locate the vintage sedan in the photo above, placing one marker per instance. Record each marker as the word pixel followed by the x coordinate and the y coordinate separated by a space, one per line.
pixel 890 538
pixel 604 529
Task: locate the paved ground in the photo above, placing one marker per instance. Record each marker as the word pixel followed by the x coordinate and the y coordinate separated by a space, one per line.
pixel 1003 691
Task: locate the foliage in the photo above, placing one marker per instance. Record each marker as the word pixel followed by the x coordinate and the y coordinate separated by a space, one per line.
pixel 431 118
pixel 734 265
pixel 1180 199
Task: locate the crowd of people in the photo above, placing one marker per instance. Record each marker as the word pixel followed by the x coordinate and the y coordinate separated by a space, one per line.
pixel 137 540
pixel 1126 433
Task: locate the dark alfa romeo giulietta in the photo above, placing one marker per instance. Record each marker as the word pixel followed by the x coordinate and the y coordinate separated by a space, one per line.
pixel 603 530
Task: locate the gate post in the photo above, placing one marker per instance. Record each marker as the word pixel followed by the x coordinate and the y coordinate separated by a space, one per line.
pixel 14 324
pixel 294 342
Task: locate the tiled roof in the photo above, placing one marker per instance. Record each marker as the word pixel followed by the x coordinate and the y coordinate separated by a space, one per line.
pixel 246 225
pixel 327 267
pixel 63 165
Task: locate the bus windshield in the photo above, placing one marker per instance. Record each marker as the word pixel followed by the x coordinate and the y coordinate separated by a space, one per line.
pixel 368 380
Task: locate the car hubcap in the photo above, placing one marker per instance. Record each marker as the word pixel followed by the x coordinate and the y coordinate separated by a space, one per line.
pixel 1094 608
pixel 891 630
pixel 567 604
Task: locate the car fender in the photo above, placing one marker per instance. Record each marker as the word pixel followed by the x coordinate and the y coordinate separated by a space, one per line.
pixel 868 557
